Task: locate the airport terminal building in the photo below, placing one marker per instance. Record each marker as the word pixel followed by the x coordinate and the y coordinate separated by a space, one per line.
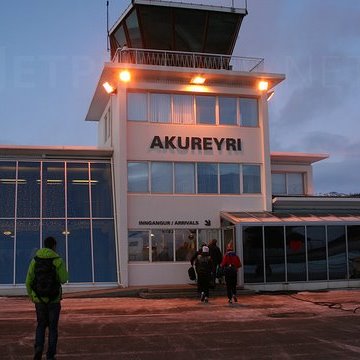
pixel 183 157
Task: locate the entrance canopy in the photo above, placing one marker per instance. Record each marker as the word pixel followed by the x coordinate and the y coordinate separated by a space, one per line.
pixel 286 218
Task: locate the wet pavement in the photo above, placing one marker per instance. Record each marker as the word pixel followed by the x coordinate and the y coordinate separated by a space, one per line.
pixel 304 325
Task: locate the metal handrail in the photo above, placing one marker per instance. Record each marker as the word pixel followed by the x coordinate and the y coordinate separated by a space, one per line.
pixel 187 59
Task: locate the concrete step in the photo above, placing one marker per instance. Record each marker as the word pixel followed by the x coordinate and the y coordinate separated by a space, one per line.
pixel 173 293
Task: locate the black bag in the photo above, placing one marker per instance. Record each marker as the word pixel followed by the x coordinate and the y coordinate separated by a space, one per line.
pixel 46 283
pixel 192 274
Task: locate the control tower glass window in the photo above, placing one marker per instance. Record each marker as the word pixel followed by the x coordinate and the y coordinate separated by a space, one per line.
pixel 133 31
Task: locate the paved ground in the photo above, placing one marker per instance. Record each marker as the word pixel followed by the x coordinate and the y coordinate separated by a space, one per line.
pixel 306 325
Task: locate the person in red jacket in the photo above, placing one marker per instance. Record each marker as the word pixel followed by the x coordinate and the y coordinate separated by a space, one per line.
pixel 230 264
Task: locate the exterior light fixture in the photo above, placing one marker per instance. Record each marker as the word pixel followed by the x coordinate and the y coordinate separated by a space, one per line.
pixel 263 85
pixel 7 233
pixel 125 75
pixel 108 88
pixel 270 94
pixel 198 80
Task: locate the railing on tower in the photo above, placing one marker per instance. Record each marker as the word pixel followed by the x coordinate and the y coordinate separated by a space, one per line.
pixel 187 59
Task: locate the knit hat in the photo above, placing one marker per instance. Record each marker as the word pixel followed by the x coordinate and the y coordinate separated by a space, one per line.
pixel 205 249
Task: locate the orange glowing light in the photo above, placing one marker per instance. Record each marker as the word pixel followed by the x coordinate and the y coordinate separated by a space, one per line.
pixel 108 88
pixel 263 85
pixel 125 76
pixel 197 80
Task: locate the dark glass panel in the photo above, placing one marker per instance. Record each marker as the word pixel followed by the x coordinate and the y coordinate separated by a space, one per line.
pixel 155 20
pixel 253 254
pixel 227 110
pixel 104 251
pixel 185 244
pixel 134 31
pixel 274 254
pixel 353 233
pixel 251 179
pixel 220 32
pixel 78 190
pixel 295 253
pixel 138 245
pixel 316 248
pixel 207 178
pixel 56 229
pixel 205 109
pixel 229 179
pixel 189 30
pixel 6 251
pixel 162 245
pixel 337 252
pixel 28 192
pixel 7 189
pixel 101 190
pixel 79 251
pixel 138 177
pixel 53 190
pixel 120 37
pixel 27 243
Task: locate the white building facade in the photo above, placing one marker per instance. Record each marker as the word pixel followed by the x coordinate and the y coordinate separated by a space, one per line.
pixel 178 164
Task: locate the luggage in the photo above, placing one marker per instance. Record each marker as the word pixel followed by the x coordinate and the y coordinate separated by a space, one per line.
pixel 191 272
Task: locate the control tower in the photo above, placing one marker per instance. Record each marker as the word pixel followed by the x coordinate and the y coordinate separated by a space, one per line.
pixel 188 126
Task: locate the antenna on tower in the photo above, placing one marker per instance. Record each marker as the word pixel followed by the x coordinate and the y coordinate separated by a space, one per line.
pixel 107 26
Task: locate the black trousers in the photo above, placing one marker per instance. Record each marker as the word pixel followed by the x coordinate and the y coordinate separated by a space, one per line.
pixel 231 282
pixel 203 285
pixel 47 317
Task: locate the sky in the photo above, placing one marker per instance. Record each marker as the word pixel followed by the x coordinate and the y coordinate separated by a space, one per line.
pixel 52 53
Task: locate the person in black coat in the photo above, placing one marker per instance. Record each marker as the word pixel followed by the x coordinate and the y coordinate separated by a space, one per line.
pixel 203 266
pixel 216 257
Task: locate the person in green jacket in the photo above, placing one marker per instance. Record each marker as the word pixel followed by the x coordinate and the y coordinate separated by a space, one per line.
pixel 45 275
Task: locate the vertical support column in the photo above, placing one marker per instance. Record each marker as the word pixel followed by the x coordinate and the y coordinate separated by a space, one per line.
pixel 119 140
pixel 265 143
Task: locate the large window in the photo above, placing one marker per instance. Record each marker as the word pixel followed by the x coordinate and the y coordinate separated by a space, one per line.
pixel 138 177
pixel 353 233
pixel 274 254
pixel 229 178
pixel 295 253
pixel 249 112
pixel 78 212
pixel 316 250
pixel 190 178
pixel 160 108
pixel 287 183
pixel 53 190
pixel 7 251
pixel 161 177
pixel 28 190
pixel 174 245
pixel 227 111
pixel 183 109
pixel 337 252
pixel 137 107
pixel 7 189
pixel 253 254
pixel 192 109
pixel 78 199
pixel 301 253
pixel 207 178
pixel 205 109
pixel 184 178
pixel 251 179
